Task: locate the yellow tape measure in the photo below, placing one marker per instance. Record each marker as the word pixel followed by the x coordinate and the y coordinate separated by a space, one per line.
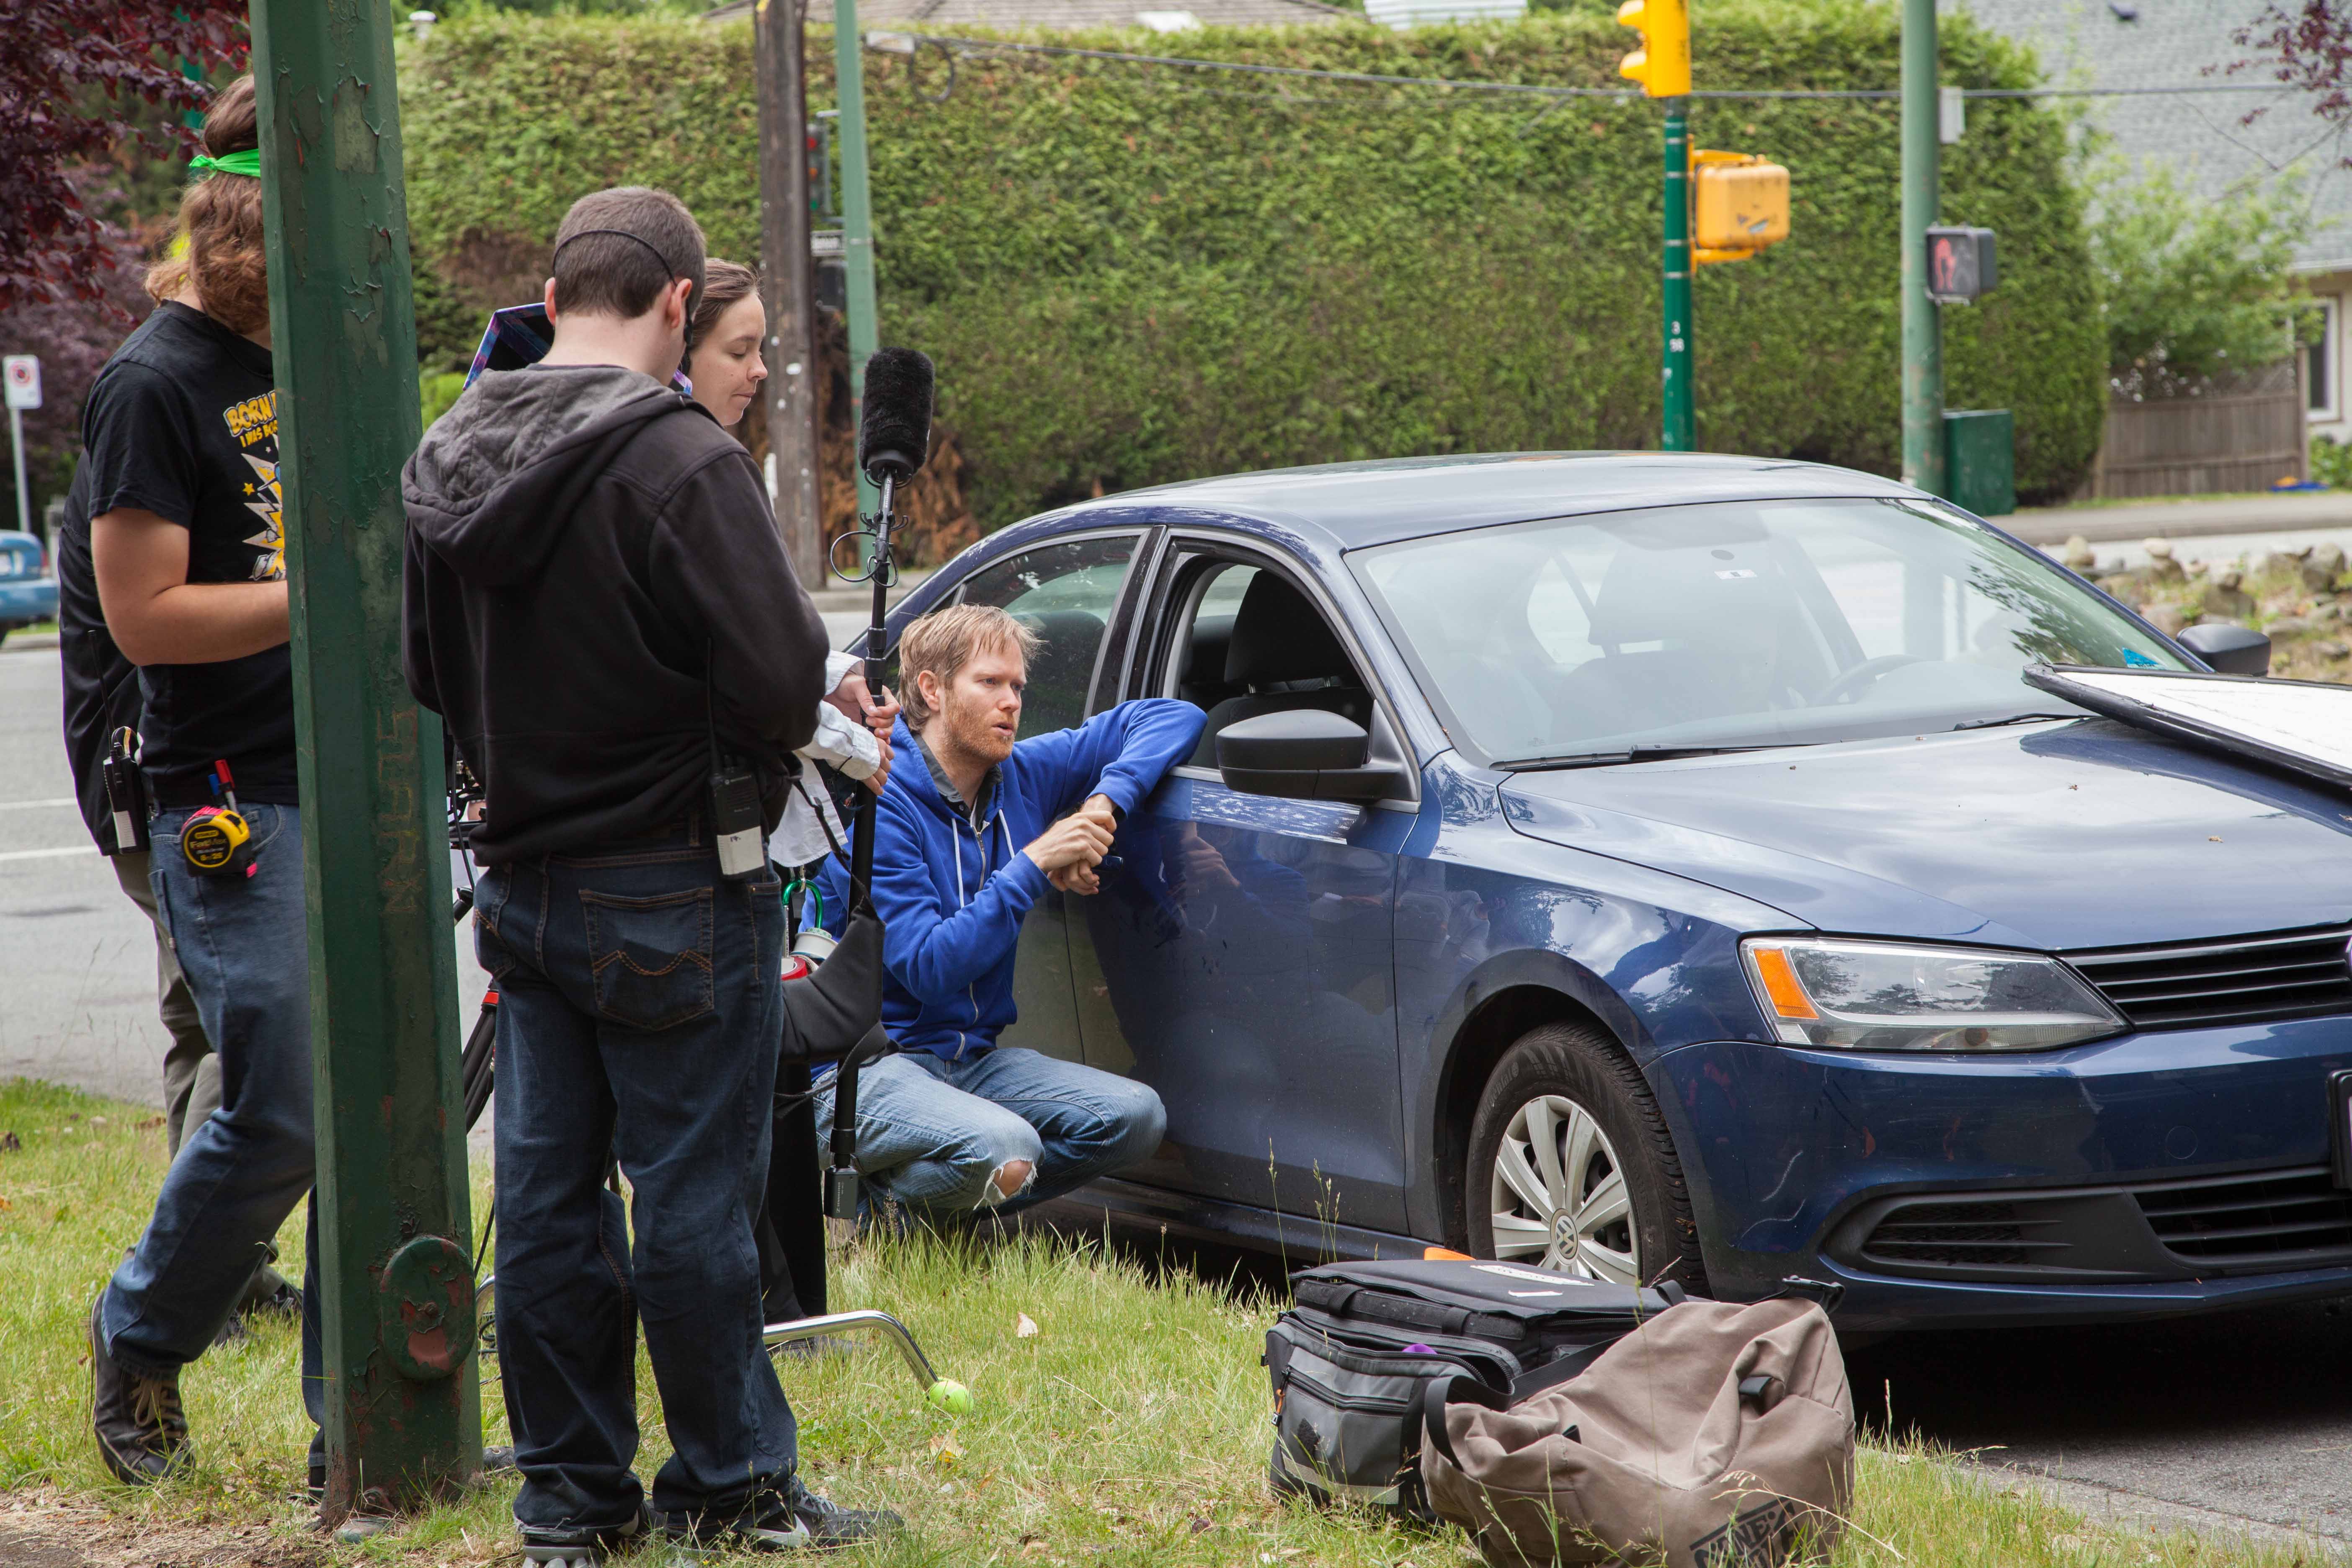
pixel 217 842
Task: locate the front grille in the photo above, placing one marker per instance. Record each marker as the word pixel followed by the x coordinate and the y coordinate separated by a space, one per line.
pixel 2265 1215
pixel 2239 980
pixel 1992 1235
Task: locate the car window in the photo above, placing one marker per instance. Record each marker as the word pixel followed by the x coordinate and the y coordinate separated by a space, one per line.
pixel 1252 642
pixel 1735 624
pixel 1066 593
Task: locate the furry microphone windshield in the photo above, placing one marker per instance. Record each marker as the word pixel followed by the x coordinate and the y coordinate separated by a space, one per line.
pixel 894 436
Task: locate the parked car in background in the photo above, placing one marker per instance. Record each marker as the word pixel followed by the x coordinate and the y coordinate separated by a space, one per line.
pixel 29 591
pixel 1652 865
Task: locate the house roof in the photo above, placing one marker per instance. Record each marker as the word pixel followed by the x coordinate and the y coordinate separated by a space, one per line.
pixel 1068 15
pixel 2201 136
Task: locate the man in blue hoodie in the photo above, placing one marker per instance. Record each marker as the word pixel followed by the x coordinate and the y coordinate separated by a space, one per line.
pixel 953 1123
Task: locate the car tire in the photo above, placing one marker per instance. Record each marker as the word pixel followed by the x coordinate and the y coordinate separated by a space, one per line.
pixel 1568 1085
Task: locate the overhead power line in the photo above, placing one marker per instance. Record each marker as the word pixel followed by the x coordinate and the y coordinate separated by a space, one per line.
pixel 956 45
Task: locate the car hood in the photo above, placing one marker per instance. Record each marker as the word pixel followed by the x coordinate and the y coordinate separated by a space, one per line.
pixel 2071 835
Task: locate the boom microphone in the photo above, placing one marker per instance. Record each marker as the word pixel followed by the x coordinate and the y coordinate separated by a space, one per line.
pixel 894 436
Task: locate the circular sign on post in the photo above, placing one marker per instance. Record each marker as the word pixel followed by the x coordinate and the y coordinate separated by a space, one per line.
pixel 425 1309
pixel 23 376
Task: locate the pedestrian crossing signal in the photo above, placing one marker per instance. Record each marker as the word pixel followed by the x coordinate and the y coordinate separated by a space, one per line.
pixel 1739 205
pixel 1662 65
pixel 1961 264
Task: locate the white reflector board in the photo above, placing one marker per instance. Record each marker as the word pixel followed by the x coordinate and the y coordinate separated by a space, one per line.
pixel 2304 725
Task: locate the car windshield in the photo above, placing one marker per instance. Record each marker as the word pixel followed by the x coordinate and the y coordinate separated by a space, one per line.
pixel 1734 624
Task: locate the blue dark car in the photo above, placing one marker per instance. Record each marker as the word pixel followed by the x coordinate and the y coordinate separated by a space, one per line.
pixel 28 593
pixel 1644 865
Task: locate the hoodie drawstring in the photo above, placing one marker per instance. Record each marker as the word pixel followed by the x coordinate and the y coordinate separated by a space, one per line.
pixel 963 900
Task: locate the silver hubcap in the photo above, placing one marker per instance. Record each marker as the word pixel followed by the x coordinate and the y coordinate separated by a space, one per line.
pixel 1559 1196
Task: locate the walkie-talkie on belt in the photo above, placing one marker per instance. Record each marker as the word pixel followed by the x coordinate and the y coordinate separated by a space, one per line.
pixel 737 820
pixel 216 839
pixel 126 791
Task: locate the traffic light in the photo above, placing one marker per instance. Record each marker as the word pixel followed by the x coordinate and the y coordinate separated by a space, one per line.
pixel 1961 264
pixel 1739 205
pixel 818 149
pixel 1662 65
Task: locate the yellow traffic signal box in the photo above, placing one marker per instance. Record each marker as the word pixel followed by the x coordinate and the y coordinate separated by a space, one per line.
pixel 1739 205
pixel 1662 65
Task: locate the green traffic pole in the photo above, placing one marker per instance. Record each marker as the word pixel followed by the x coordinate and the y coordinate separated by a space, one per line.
pixel 403 1413
pixel 1681 418
pixel 1923 328
pixel 856 218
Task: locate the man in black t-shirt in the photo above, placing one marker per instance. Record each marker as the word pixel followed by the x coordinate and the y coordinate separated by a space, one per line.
pixel 180 480
pixel 102 697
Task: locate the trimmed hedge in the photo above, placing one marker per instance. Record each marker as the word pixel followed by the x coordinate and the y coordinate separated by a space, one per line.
pixel 1132 274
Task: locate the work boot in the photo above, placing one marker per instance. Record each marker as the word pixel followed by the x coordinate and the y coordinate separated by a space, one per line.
pixel 560 1546
pixel 143 1432
pixel 792 1519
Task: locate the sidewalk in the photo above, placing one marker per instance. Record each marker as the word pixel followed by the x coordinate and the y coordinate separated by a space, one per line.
pixel 2287 512
pixel 835 597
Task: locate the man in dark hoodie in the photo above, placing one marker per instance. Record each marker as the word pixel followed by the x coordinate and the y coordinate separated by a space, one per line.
pixel 598 603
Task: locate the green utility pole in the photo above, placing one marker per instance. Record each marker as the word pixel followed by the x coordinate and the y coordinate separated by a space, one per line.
pixel 856 216
pixel 1923 328
pixel 1679 425
pixel 402 1417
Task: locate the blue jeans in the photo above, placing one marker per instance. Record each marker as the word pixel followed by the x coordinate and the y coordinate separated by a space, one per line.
pixel 639 1013
pixel 932 1133
pixel 244 944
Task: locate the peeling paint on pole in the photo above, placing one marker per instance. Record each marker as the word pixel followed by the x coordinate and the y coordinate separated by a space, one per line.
pixel 404 1418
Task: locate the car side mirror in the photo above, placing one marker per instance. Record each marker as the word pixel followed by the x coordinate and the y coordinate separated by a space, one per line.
pixel 2230 649
pixel 1302 753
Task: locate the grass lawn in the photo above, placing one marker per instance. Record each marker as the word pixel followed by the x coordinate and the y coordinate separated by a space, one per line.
pixel 1129 1428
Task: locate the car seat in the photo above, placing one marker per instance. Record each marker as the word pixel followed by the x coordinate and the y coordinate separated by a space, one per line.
pixel 1684 635
pixel 1282 655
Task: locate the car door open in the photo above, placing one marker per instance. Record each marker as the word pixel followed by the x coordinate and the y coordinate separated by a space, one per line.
pixel 1239 959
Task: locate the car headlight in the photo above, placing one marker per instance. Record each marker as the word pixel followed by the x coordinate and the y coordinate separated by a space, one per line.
pixel 1889 996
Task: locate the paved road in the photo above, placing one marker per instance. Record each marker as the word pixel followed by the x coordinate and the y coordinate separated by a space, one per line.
pixel 2247 1418
pixel 2221 1423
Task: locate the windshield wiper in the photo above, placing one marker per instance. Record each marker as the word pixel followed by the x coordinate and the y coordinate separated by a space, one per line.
pixel 1637 754
pixel 2014 718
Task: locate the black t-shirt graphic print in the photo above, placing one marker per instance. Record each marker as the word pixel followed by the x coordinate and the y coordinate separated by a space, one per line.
pixel 183 422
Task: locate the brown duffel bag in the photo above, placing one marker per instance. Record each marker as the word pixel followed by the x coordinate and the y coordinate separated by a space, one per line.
pixel 1714 1436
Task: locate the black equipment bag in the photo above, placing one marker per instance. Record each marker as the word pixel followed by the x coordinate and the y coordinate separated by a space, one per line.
pixel 837 1007
pixel 1352 1362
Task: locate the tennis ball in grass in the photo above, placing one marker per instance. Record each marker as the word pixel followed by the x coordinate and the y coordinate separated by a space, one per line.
pixel 950 1396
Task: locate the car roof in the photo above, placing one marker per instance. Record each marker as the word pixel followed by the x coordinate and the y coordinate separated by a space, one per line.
pixel 1358 504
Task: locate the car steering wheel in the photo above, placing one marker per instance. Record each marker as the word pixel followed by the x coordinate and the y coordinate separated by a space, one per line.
pixel 1852 681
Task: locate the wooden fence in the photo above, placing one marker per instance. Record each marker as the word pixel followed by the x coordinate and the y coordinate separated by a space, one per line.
pixel 2235 440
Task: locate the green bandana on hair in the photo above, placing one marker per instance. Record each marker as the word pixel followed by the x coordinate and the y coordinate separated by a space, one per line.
pixel 245 162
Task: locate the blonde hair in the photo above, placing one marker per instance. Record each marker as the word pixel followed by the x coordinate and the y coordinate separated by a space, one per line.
pixel 944 641
pixel 220 251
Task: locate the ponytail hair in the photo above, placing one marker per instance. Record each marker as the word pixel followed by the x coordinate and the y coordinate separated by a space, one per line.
pixel 220 249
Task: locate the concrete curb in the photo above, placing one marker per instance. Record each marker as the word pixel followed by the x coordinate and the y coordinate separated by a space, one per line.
pixel 27 642
pixel 2182 520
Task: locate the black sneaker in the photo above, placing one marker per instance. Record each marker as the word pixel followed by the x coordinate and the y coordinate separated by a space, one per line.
pixel 573 1547
pixel 283 1303
pixel 794 1519
pixel 143 1432
pixel 831 1526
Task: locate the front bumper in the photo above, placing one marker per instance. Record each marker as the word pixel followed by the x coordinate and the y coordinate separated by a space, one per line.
pixel 2151 1175
pixel 24 600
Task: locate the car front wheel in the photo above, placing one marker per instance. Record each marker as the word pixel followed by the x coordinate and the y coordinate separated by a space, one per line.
pixel 1572 1168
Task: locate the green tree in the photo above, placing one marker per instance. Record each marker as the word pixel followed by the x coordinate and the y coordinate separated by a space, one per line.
pixel 2194 288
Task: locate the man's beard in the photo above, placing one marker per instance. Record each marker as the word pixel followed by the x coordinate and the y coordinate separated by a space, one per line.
pixel 972 728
